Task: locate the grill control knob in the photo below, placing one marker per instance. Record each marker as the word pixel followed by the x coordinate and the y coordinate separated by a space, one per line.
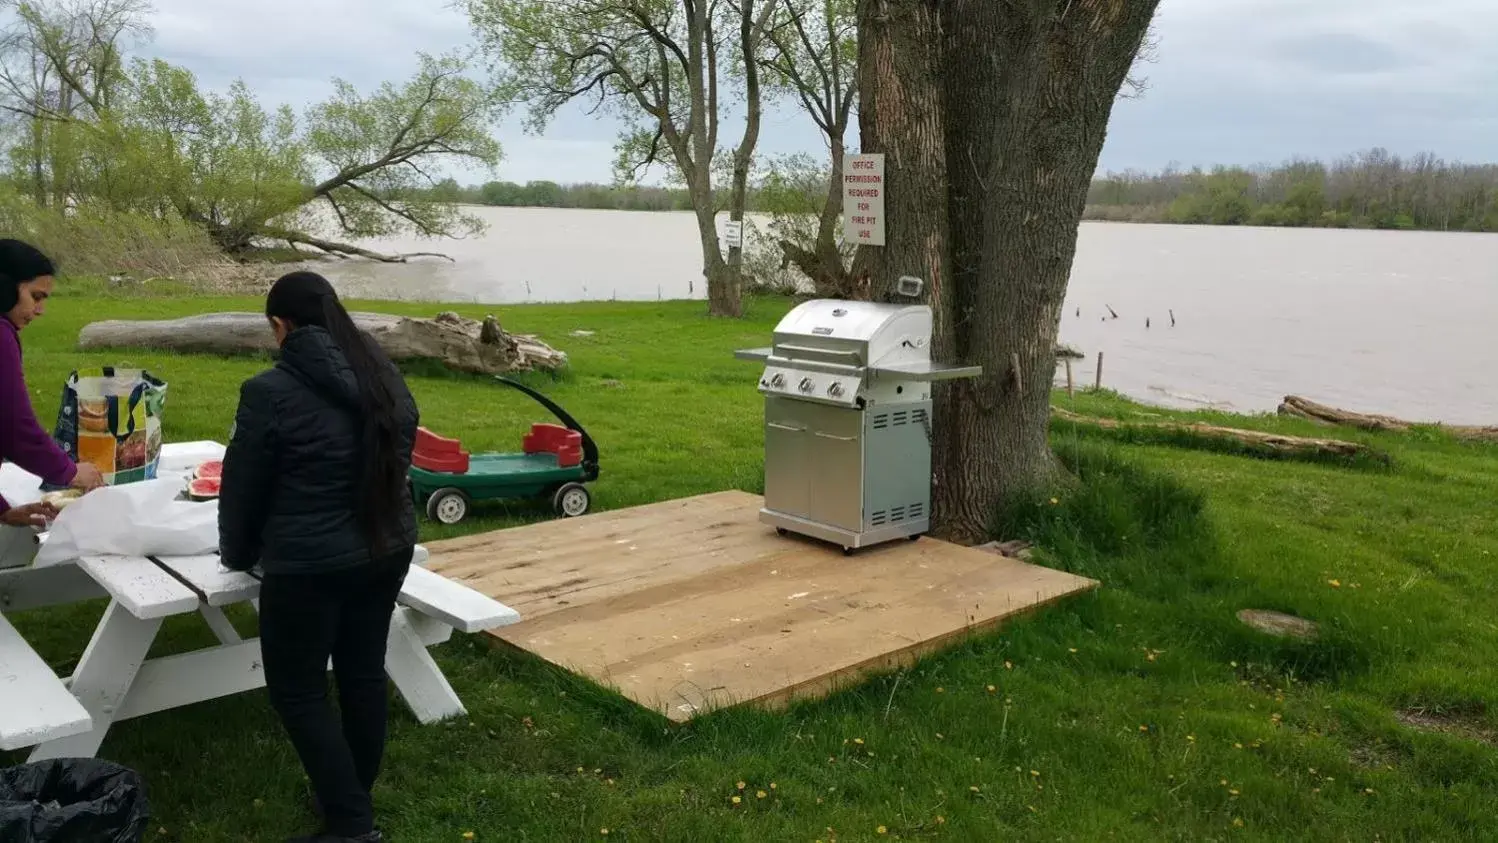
pixel 836 390
pixel 778 381
pixel 806 385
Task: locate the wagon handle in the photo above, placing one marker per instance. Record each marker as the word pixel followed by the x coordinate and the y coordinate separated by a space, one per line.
pixel 590 448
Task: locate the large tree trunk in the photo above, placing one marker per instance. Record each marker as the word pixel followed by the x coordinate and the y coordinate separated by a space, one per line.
pixel 902 113
pixel 1023 146
pixel 724 286
pixel 1021 112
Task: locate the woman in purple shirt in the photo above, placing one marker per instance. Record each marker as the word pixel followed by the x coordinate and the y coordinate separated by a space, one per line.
pixel 25 283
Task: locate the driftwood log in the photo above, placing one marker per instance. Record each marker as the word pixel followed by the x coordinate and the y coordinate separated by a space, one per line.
pixel 1302 408
pixel 463 344
pixel 1276 442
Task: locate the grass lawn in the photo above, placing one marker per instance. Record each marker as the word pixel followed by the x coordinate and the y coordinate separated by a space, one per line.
pixel 1144 711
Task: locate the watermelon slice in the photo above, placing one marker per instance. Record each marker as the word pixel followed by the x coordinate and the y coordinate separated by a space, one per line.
pixel 203 489
pixel 211 470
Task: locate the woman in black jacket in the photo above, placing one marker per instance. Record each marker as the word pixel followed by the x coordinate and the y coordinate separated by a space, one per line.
pixel 315 495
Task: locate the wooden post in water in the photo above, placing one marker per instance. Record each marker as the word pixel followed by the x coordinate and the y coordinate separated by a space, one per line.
pixel 1071 391
pixel 1099 383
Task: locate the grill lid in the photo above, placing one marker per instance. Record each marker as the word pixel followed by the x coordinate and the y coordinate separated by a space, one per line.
pixel 858 339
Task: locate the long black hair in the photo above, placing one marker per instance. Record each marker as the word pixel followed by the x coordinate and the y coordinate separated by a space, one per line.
pixel 19 262
pixel 306 299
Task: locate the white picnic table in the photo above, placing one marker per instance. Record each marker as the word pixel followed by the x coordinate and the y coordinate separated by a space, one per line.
pixel 68 717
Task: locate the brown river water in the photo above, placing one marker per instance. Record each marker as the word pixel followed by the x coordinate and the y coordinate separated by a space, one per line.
pixel 1380 321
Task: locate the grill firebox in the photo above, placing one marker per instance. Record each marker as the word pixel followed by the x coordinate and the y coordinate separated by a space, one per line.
pixel 847 389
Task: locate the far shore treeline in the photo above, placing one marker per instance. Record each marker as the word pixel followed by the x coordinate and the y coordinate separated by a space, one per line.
pixel 1374 189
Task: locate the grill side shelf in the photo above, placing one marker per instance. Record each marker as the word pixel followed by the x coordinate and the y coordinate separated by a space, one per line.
pixel 927 371
pixel 757 355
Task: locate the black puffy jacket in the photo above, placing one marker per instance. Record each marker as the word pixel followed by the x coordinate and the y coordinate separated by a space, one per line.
pixel 294 468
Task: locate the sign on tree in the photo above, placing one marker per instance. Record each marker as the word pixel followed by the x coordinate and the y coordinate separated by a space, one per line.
pixel 863 200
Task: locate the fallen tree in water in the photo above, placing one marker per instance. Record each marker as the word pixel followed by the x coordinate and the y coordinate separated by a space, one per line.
pixel 462 344
pixel 1275 443
pixel 1303 408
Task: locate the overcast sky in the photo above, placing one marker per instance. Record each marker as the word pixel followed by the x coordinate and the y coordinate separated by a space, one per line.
pixel 1234 81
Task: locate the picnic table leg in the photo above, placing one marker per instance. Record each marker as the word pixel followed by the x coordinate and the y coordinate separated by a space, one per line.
pixel 103 678
pixel 416 675
pixel 222 627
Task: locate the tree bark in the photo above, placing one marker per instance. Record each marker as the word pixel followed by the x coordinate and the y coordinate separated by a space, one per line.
pixel 992 116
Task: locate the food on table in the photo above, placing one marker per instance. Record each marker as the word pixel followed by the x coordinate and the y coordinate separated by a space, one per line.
pixel 62 498
pixel 203 489
pixel 211 470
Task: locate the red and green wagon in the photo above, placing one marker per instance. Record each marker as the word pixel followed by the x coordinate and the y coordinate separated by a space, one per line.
pixel 555 463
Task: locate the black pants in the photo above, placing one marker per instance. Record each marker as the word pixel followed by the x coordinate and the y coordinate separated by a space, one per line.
pixel 305 619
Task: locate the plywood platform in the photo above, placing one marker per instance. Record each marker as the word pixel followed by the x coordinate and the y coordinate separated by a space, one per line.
pixel 693 604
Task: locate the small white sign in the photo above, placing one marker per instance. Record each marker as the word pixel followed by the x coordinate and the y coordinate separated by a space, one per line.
pixel 733 233
pixel 863 200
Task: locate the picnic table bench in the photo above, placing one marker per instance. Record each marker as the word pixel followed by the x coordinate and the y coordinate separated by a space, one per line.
pixel 115 680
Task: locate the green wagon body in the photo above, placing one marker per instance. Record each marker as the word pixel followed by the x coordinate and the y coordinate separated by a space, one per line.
pixel 445 496
pixel 495 476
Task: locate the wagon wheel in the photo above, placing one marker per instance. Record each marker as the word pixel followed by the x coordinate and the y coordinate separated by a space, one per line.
pixel 447 506
pixel 572 500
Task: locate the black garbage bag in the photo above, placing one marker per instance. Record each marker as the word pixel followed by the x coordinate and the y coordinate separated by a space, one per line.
pixel 72 800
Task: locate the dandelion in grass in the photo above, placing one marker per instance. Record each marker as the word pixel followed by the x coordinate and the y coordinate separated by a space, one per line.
pixel 736 800
pixel 468 835
pixel 1334 583
pixel 741 785
pixel 760 794
pixel 882 830
pixel 1237 822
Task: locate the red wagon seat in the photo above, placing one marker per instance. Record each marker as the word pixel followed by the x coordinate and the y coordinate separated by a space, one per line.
pixel 555 439
pixel 438 453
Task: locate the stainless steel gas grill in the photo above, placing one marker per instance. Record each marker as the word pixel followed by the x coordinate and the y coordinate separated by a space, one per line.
pixel 847 389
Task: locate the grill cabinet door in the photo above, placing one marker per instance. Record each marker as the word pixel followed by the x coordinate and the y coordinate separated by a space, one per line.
pixel 787 481
pixel 837 479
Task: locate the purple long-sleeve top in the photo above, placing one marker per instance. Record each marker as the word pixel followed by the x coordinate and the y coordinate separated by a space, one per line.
pixel 23 441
